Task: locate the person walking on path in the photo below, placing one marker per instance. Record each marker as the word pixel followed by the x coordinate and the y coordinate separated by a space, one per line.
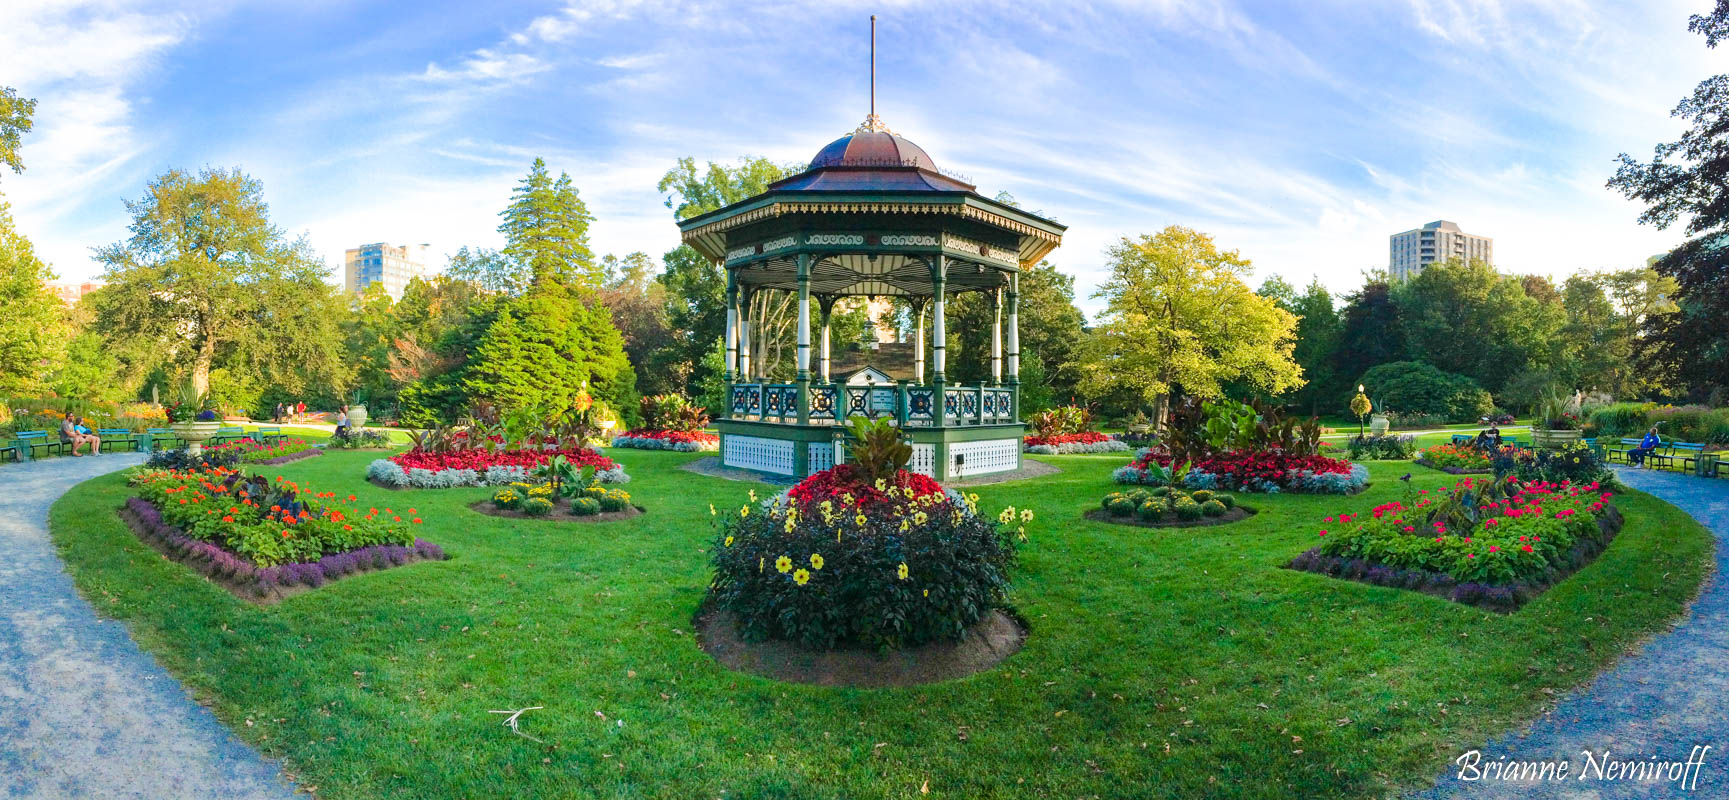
pixel 341 421
pixel 279 412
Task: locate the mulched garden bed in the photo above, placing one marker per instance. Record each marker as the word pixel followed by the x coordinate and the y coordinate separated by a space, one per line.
pixel 1232 514
pixel 263 586
pixel 1505 599
pixel 989 641
pixel 560 512
pixel 1422 462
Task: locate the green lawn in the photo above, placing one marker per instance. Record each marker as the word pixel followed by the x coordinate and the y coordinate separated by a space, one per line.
pixel 1169 663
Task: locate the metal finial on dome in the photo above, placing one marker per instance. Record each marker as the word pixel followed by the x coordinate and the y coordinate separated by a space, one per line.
pixel 873 122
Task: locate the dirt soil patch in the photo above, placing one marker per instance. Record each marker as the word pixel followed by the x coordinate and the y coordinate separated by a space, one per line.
pixel 1232 514
pixel 560 513
pixel 987 643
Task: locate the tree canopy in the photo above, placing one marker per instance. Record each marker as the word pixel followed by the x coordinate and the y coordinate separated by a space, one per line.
pixel 1180 318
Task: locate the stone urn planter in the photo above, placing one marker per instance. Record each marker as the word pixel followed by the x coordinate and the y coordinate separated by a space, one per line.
pixel 356 417
pixel 1553 439
pixel 195 434
pixel 1378 425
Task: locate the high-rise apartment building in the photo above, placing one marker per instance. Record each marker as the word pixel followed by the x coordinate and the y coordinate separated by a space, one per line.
pixel 1409 252
pixel 71 293
pixel 386 264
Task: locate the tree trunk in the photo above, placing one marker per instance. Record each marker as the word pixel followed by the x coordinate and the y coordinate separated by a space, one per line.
pixel 201 366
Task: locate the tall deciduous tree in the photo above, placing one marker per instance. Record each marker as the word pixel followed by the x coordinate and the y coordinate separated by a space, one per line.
pixel 1319 328
pixel 1465 318
pixel 15 113
pixel 1180 318
pixel 546 230
pixel 1684 181
pixel 33 328
pixel 695 286
pixel 1371 331
pixel 1051 327
pixel 206 280
pixel 490 271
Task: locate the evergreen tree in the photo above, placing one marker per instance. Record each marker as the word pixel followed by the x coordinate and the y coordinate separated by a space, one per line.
pixel 546 230
pixel 1371 332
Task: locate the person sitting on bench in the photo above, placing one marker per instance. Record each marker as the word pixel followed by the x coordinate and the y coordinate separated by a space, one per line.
pixel 69 434
pixel 1488 439
pixel 1651 442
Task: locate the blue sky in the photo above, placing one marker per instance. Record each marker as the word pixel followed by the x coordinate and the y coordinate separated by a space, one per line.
pixel 1301 134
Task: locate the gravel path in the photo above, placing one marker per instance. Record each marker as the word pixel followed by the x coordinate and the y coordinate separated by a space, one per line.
pixel 83 712
pixel 1663 700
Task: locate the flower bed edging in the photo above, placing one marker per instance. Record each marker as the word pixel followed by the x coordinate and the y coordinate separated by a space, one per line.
pixel 263 585
pixel 304 454
pixel 677 441
pixel 560 512
pixel 390 475
pixel 1234 514
pixel 1505 599
pixel 1423 462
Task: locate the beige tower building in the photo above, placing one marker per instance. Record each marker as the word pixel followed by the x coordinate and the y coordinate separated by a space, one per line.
pixel 386 264
pixel 1409 252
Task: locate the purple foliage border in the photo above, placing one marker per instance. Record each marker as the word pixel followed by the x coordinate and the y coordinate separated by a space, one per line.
pixel 304 454
pixel 1505 599
pixel 1452 470
pixel 264 584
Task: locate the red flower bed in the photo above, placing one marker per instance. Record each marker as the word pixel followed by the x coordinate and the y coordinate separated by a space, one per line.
pixel 697 437
pixel 835 484
pixel 1090 437
pixel 1268 465
pixel 479 460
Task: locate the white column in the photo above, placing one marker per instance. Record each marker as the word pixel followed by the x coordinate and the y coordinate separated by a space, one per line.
pixel 822 358
pixel 919 343
pixel 997 338
pixel 803 317
pixel 1014 330
pixel 939 331
pixel 731 332
pixel 744 341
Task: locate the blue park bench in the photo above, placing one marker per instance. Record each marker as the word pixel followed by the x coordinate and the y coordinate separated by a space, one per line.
pixel 116 438
pixel 31 441
pixel 1677 453
pixel 225 434
pixel 162 439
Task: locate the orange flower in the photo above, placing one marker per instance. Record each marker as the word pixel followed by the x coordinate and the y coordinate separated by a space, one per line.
pixel 285 534
pixel 351 498
pixel 227 518
pixel 398 519
pixel 417 520
pixel 348 527
pixel 412 511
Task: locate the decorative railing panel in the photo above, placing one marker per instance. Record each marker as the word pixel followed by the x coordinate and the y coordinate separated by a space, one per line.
pixel 909 405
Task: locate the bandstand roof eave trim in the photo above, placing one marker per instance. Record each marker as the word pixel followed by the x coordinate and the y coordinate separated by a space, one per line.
pixel 699 231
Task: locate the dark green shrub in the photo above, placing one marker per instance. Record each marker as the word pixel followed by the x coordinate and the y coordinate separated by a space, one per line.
pixel 1225 499
pixel 1202 496
pixel 1213 508
pixel 615 500
pixel 1187 509
pixel 1389 447
pixel 1413 388
pixel 878 586
pixel 585 506
pixel 1161 491
pixel 537 506
pixel 1151 510
pixel 1121 507
pixel 182 461
pixel 1140 495
pixel 1106 502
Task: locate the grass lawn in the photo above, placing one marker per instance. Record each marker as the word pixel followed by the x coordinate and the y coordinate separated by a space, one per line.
pixel 1161 663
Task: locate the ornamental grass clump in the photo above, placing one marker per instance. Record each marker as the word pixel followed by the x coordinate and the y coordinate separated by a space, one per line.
pixel 890 561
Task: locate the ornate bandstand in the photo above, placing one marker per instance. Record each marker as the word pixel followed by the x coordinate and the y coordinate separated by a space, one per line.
pixel 872 217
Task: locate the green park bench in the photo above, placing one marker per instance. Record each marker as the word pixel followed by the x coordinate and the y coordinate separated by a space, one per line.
pixel 113 438
pixel 225 434
pixel 11 449
pixel 162 439
pixel 32 440
pixel 1626 445
pixel 268 435
pixel 1677 454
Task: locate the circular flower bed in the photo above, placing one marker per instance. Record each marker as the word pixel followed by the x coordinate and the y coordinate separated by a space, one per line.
pixel 1269 471
pixel 838 560
pixel 482 467
pixel 522 500
pixel 680 441
pixel 1073 444
pixel 1165 507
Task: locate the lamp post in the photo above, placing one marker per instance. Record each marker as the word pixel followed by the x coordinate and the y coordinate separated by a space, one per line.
pixel 1361 406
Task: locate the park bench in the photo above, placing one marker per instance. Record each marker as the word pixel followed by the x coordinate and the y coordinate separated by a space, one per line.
pixel 13 450
pixel 1463 438
pixel 39 439
pixel 1677 453
pixel 162 439
pixel 268 435
pixel 1626 445
pixel 116 438
pixel 224 434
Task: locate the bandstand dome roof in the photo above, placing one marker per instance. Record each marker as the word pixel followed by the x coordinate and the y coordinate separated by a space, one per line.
pixel 869 158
